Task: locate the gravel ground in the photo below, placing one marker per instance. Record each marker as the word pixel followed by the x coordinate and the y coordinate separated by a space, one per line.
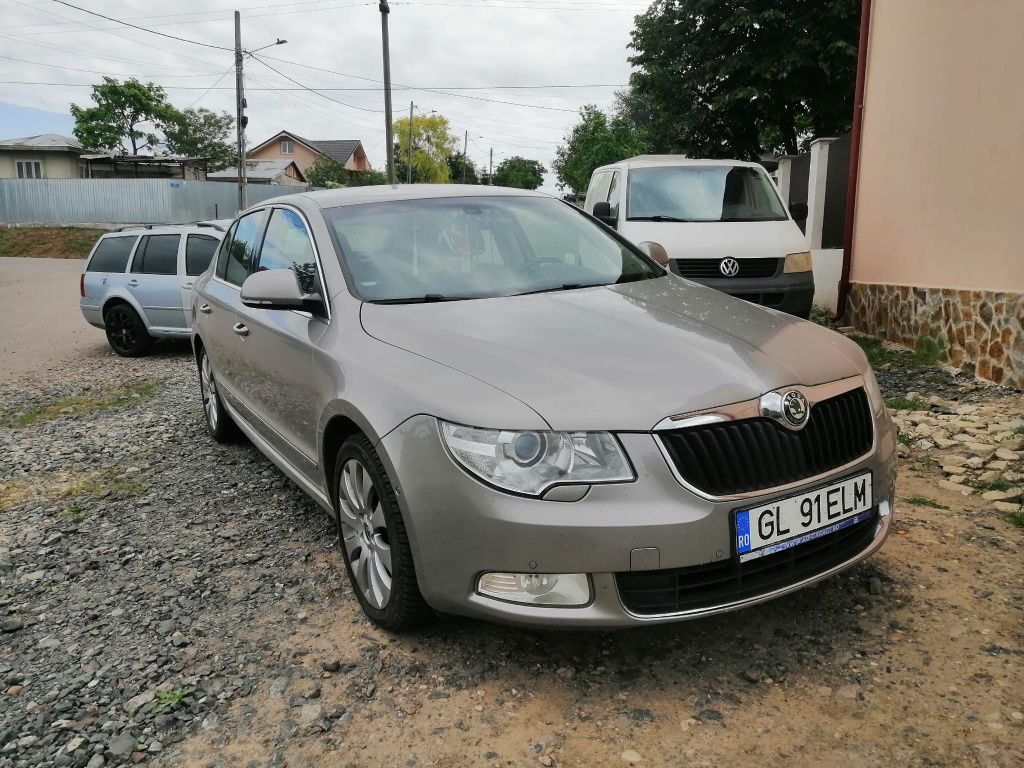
pixel 168 600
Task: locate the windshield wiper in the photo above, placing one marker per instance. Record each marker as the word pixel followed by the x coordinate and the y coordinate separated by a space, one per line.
pixel 656 218
pixel 427 299
pixel 562 287
pixel 752 218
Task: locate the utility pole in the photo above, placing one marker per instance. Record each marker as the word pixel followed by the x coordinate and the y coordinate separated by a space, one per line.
pixel 388 127
pixel 411 107
pixel 465 161
pixel 240 118
pixel 490 169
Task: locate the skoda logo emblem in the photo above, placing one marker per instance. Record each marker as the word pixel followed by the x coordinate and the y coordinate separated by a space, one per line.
pixel 729 267
pixel 794 408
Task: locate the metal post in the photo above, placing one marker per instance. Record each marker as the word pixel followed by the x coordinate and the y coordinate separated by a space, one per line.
pixel 490 168
pixel 388 127
pixel 411 107
pixel 240 118
pixel 465 149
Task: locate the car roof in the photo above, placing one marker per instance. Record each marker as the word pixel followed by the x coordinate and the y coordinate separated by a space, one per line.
pixel 648 161
pixel 333 198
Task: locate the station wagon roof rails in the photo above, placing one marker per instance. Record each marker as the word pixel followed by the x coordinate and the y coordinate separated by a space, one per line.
pixel 213 225
pixel 136 226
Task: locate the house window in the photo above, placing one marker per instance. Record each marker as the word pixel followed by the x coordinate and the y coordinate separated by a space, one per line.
pixel 287 147
pixel 83 170
pixel 30 169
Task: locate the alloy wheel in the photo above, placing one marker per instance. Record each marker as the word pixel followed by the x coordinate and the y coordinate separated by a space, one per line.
pixel 121 330
pixel 209 391
pixel 364 531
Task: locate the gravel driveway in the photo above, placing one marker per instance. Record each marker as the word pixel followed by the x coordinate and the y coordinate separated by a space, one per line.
pixel 169 600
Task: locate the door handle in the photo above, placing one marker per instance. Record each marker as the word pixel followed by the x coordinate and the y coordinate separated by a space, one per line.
pixel 205 309
pixel 187 285
pixel 132 283
pixel 241 329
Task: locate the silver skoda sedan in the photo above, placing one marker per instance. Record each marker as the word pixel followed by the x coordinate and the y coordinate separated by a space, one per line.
pixel 512 413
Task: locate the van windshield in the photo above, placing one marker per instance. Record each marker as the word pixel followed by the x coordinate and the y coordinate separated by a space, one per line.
pixel 445 249
pixel 702 193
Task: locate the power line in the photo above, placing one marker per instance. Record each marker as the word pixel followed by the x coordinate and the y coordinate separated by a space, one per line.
pixel 143 29
pixel 93 71
pixel 215 84
pixel 66 49
pixel 311 90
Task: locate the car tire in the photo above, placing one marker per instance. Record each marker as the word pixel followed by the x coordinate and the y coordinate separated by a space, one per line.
pixel 373 539
pixel 126 333
pixel 218 422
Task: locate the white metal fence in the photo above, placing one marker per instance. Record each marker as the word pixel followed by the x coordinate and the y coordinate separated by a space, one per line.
pixel 124 201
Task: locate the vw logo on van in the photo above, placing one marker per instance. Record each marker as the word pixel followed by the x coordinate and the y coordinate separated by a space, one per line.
pixel 729 266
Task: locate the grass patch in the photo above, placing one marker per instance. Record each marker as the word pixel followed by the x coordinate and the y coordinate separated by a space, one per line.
pixel 877 354
pixel 84 403
pixel 924 501
pixel 903 404
pixel 48 242
pixel 904 437
pixel 929 350
pixel 999 484
pixel 1016 518
pixel 73 514
pixel 63 487
pixel 822 316
pixel 172 700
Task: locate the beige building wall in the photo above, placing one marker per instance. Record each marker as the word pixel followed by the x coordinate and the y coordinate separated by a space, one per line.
pixel 302 156
pixel 55 165
pixel 941 188
pixel 938 246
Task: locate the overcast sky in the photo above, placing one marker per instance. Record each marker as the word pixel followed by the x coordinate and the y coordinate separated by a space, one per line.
pixel 435 44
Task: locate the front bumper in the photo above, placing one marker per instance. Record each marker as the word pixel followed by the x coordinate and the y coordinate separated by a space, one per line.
pixel 791 293
pixel 460 528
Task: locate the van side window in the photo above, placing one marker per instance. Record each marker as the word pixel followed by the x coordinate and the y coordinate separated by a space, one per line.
pixel 157 255
pixel 112 254
pixel 613 194
pixel 598 190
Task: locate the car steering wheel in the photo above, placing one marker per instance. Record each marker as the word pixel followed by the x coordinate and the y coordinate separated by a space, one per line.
pixel 536 261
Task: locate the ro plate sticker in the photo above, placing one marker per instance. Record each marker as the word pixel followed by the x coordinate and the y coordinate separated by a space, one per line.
pixel 742 532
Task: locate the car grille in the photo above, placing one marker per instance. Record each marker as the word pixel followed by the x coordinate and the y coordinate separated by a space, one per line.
pixel 732 457
pixel 707 586
pixel 708 268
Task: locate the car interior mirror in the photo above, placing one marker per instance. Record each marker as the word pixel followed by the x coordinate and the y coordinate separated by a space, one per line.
pixel 656 251
pixel 798 211
pixel 603 212
pixel 279 289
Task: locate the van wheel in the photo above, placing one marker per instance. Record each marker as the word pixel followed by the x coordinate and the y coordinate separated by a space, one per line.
pixel 126 333
pixel 373 539
pixel 218 422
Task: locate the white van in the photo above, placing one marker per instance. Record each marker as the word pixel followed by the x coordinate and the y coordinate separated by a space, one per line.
pixel 722 223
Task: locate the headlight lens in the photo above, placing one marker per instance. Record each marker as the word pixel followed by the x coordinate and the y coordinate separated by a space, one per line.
pixel 874 392
pixel 531 462
pixel 798 262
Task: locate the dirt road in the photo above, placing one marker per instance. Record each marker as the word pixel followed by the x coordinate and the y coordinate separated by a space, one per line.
pixel 40 323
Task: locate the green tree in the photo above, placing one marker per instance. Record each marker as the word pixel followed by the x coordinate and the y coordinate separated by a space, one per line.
pixel 459 162
pixel 595 140
pixel 125 115
pixel 368 178
pixel 519 172
pixel 742 78
pixel 326 172
pixel 201 133
pixel 432 144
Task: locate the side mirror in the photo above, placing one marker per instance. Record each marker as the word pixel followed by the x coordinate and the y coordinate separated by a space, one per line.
pixel 279 289
pixel 656 251
pixel 603 212
pixel 798 211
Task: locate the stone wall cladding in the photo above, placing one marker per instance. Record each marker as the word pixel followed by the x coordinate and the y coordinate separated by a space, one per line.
pixel 982 331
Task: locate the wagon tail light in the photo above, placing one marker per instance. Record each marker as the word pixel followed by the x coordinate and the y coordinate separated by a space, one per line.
pixel 81 285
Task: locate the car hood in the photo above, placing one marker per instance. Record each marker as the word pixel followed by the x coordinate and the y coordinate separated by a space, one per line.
pixel 618 357
pixel 718 239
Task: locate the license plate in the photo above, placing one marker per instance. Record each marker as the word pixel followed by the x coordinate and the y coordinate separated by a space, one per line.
pixel 795 520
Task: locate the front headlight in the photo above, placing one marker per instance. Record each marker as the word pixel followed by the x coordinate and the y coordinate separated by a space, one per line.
pixel 531 462
pixel 875 399
pixel 798 262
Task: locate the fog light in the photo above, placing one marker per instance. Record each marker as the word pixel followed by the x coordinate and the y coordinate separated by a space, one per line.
pixel 562 589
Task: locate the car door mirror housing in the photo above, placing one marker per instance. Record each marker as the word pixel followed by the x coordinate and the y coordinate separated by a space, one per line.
pixel 279 289
pixel 603 212
pixel 656 251
pixel 798 211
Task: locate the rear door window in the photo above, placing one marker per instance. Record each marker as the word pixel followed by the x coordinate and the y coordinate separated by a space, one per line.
pixel 242 247
pixel 112 254
pixel 157 255
pixel 199 250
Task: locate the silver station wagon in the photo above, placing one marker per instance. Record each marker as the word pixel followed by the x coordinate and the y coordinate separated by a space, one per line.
pixel 512 413
pixel 137 282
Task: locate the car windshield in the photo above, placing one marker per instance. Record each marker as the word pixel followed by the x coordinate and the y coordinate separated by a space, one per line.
pixel 477 247
pixel 702 193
